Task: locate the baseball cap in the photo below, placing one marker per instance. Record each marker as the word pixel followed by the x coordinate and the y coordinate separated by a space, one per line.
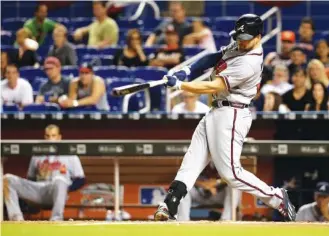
pixel 288 36
pixel 86 68
pixel 322 188
pixel 51 62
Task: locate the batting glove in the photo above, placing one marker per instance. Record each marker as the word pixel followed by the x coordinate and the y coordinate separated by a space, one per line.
pixel 183 73
pixel 173 82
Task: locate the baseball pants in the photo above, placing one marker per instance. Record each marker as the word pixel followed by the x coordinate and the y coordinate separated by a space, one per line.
pixel 221 133
pixel 43 193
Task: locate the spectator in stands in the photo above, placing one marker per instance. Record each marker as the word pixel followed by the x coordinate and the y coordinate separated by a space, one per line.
pixel 56 86
pixel 201 36
pixel 62 49
pixel 132 54
pixel 298 59
pixel 319 100
pixel 4 63
pixel 190 104
pixel 257 103
pixel 103 32
pixel 322 52
pixel 316 72
pixel 288 40
pixel 87 90
pixel 40 26
pixel 279 83
pixel 273 102
pixel 15 90
pixel 316 211
pixel 23 56
pixel 50 178
pixel 172 54
pixel 296 98
pixel 306 32
pixel 178 20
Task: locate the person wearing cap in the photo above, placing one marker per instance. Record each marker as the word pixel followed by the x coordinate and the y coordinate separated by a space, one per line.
pixel 288 39
pixel 87 90
pixel 103 32
pixel 172 54
pixel 62 49
pixel 56 86
pixel 178 20
pixel 319 209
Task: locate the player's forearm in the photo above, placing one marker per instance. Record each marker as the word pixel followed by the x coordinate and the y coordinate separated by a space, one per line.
pixel 206 62
pixel 200 87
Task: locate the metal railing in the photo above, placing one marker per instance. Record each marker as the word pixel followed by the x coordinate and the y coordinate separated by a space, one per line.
pixel 141 8
pixel 270 33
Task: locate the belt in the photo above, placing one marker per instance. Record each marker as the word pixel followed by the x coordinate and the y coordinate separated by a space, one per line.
pixel 218 104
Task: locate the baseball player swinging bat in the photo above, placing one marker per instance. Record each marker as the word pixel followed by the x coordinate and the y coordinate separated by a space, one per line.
pixel 133 88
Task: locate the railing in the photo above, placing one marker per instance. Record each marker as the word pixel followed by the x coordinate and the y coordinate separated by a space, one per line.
pixel 268 35
pixel 141 8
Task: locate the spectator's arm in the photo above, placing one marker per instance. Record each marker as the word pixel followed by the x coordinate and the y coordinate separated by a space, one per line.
pixel 307 107
pixel 73 89
pixel 41 94
pixel 171 61
pixel 80 32
pixel 150 40
pixel 97 91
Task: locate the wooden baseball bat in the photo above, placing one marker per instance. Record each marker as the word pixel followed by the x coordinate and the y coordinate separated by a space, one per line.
pixel 132 88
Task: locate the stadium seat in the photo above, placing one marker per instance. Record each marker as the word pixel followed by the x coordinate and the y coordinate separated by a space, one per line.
pixel 225 23
pixel 104 60
pixel 221 38
pixel 6 48
pixel 30 73
pixel 80 22
pixel 128 24
pixel 70 71
pixel 7 38
pixel 136 102
pixel 150 50
pixel 191 50
pixel 41 107
pixel 43 50
pixel 13 24
pixel 13 107
pixel 37 82
pixel 112 71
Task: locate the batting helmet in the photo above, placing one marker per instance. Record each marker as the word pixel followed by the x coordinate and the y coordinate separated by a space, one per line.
pixel 247 27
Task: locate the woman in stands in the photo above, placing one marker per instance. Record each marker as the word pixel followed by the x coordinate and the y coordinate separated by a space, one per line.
pixel 273 102
pixel 86 91
pixel 23 56
pixel 322 52
pixel 132 54
pixel 319 98
pixel 317 72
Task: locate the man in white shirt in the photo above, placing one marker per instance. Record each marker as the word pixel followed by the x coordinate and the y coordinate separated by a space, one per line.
pixel 50 178
pixel 190 104
pixel 279 83
pixel 15 90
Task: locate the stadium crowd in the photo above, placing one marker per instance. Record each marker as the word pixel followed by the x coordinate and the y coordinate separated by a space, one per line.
pixel 294 79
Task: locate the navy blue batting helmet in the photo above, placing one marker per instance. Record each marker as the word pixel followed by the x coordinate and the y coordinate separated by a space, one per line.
pixel 247 27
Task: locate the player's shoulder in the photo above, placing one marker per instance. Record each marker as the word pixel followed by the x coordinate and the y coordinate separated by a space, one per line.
pixel 306 207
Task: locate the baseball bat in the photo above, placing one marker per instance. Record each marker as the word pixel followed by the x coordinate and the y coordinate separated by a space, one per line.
pixel 132 88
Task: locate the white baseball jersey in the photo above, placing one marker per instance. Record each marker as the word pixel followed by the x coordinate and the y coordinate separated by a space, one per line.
pixel 241 72
pixel 309 212
pixel 22 94
pixel 45 168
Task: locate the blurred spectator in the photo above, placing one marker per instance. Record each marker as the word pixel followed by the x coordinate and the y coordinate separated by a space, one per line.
pixel 201 36
pixel 190 104
pixel 172 54
pixel 273 102
pixel 103 32
pixel 306 32
pixel 316 72
pixel 40 26
pixel 319 100
pixel 257 103
pixel 178 20
pixel 298 59
pixel 132 54
pixel 279 83
pixel 322 52
pixel 288 40
pixel 87 90
pixel 23 56
pixel 56 86
pixel 4 63
pixel 315 211
pixel 296 98
pixel 50 178
pixel 15 90
pixel 62 49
